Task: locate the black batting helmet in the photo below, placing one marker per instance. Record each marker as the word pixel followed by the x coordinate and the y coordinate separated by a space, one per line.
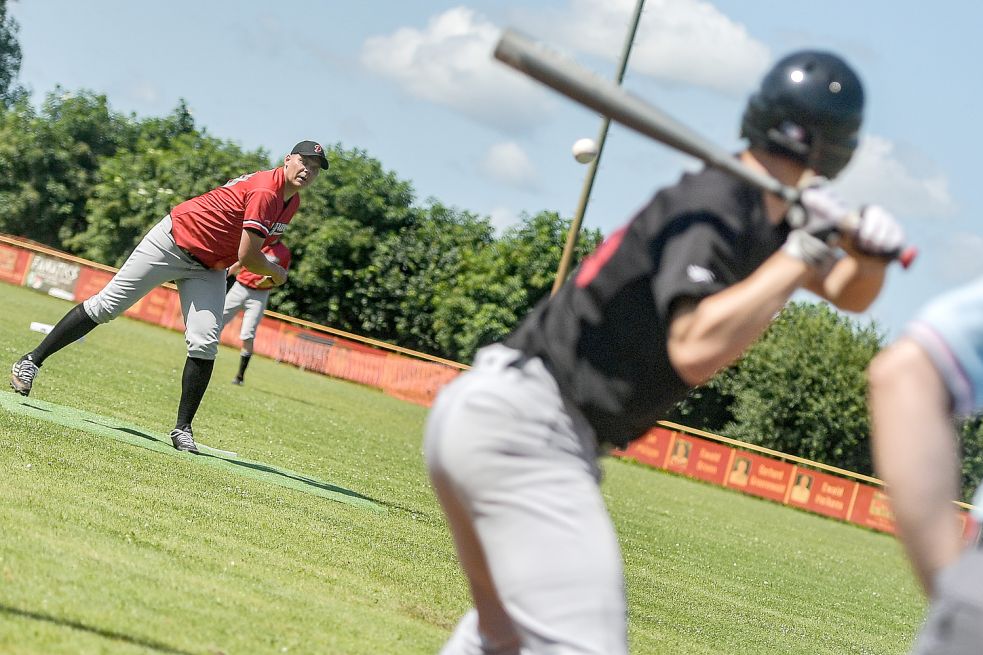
pixel 809 107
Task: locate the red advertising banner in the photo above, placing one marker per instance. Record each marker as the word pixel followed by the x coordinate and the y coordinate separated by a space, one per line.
pixel 706 460
pixel 872 509
pixel 157 307
pixel 650 449
pixel 230 335
pixel 14 263
pixel 759 476
pixel 821 493
pixel 90 282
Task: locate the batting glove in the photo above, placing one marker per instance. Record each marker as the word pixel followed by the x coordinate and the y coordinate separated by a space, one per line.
pixel 878 233
pixel 812 250
pixel 821 211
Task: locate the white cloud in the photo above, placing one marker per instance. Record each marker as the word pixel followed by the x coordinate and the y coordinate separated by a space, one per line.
pixel 507 163
pixel 688 42
pixel 450 63
pixel 878 174
pixel 503 218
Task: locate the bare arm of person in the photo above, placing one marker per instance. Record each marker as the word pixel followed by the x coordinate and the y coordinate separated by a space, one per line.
pixel 709 334
pixel 916 454
pixel 252 257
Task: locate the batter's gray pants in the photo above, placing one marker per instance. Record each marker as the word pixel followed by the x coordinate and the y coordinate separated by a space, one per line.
pixel 517 476
pixel 156 260
pixel 954 625
pixel 252 302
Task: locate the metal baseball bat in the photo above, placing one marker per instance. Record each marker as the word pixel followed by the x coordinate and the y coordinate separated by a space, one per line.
pixel 611 100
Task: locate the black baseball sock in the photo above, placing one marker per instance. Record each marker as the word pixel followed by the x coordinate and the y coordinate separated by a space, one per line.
pixel 194 381
pixel 243 363
pixel 73 326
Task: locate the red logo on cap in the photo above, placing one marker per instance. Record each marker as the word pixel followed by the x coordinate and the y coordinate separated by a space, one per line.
pixel 317 148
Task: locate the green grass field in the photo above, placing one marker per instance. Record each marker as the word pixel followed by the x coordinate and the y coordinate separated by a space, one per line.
pixel 107 547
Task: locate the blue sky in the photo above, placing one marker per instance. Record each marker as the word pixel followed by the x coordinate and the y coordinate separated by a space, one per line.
pixel 414 85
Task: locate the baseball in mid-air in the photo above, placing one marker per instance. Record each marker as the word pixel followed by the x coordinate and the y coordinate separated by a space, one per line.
pixel 584 150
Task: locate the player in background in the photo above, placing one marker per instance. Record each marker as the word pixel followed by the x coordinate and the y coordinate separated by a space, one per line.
pixel 250 293
pixel 932 374
pixel 512 445
pixel 193 246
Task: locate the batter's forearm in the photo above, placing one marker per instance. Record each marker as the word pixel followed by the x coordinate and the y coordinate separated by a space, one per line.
pixel 854 282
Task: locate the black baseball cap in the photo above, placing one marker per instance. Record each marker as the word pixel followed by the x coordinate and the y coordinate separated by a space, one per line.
pixel 313 149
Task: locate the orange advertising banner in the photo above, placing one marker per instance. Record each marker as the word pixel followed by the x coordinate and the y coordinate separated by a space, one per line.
pixel 650 449
pixel 768 477
pixel 821 493
pixel 90 282
pixel 157 307
pixel 699 458
pixel 871 508
pixel 14 264
pixel 759 476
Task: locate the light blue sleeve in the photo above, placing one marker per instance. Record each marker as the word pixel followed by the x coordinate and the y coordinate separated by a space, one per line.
pixel 950 329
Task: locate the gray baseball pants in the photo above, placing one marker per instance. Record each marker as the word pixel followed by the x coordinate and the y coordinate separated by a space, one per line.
pixel 517 475
pixel 252 302
pixel 157 259
pixel 954 625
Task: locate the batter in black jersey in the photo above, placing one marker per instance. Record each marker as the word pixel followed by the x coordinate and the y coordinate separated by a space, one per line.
pixel 603 337
pixel 677 294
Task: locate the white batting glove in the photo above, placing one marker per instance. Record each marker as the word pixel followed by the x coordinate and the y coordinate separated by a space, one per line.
pixel 824 211
pixel 878 233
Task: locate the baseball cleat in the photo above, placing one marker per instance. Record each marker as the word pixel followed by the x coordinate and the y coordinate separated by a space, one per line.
pixel 183 440
pixel 237 381
pixel 22 375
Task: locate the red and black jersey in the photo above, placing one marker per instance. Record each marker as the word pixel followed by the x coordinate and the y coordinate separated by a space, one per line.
pixel 277 253
pixel 603 335
pixel 210 226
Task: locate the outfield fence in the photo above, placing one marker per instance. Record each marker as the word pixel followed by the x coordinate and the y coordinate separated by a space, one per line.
pixel 417 377
pixel 400 372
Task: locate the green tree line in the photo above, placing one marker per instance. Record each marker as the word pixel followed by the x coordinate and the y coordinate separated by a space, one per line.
pixel 370 259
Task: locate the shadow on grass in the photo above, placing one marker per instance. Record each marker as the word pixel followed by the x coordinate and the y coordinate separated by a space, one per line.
pixel 299 478
pixel 102 632
pixel 295 399
pixel 135 433
pixel 250 465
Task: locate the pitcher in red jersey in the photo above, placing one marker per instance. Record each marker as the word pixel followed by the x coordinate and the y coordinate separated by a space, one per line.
pixel 193 246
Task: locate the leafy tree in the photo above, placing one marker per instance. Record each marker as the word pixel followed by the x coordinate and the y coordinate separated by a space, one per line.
pixel 445 285
pixel 395 294
pixel 10 58
pixel 344 216
pixel 971 433
pixel 169 162
pixel 49 161
pixel 532 250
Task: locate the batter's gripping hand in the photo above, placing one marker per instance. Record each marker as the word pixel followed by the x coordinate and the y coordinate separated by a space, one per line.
pixel 822 213
pixel 817 220
pixel 810 249
pixel 878 233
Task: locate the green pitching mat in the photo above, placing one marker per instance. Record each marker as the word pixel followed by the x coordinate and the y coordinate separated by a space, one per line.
pixel 160 443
